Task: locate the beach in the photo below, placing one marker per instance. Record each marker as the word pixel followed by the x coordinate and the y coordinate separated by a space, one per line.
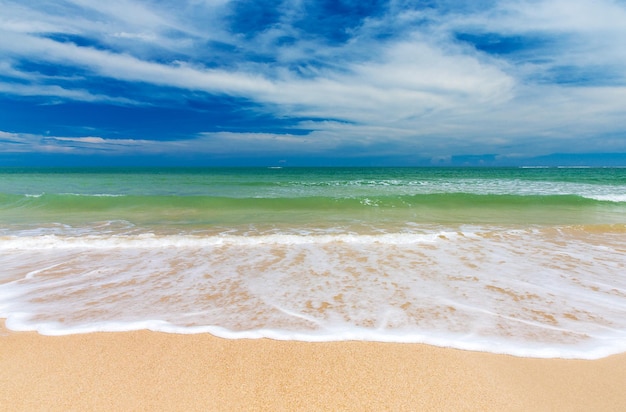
pixel 144 370
pixel 313 289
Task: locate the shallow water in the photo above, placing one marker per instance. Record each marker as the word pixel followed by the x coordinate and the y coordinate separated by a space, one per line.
pixel 529 262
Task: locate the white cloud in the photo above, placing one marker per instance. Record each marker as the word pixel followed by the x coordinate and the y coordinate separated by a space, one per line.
pixel 204 143
pixel 409 79
pixel 10 137
pixel 424 91
pixel 574 16
pixel 28 142
pixel 61 93
pixel 580 33
pixel 129 68
pixel 131 12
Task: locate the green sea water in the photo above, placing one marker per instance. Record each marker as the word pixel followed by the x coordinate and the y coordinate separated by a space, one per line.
pixel 349 198
pixel 528 262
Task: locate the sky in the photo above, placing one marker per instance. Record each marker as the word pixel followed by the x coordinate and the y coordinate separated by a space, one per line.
pixel 301 82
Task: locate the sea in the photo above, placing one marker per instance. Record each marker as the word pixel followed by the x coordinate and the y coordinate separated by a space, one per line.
pixel 529 262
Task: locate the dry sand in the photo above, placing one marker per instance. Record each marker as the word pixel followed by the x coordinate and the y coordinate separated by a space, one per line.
pixel 157 371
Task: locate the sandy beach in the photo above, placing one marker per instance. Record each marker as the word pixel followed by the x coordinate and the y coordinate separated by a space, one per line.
pixel 157 371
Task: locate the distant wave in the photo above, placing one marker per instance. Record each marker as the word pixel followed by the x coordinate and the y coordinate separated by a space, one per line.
pixel 609 198
pixel 346 203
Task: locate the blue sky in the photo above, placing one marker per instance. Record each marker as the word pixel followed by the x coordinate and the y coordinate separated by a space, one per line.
pixel 295 82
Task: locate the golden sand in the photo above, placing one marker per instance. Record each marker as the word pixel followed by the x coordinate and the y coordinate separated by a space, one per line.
pixel 157 371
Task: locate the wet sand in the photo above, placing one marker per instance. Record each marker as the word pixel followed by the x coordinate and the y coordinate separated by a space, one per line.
pixel 157 371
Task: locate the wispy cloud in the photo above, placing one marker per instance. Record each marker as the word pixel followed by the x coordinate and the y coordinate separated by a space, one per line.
pixel 496 77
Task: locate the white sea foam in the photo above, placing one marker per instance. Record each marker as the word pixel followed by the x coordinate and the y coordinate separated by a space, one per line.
pixel 609 197
pixel 540 292
pixel 476 186
pixel 150 240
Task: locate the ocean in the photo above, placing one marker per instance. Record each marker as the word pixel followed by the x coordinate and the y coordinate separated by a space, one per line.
pixel 522 261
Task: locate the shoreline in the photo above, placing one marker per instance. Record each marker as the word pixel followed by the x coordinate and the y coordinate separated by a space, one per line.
pixel 146 370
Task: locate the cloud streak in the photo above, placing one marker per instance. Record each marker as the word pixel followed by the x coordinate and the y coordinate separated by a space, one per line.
pixel 508 77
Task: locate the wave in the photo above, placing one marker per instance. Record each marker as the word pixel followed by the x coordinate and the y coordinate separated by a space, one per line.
pixel 547 292
pixel 77 201
pixel 260 214
pixel 616 198
pixel 103 240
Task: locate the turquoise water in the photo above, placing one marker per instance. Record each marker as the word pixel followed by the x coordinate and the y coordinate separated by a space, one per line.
pixel 206 198
pixel 522 261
